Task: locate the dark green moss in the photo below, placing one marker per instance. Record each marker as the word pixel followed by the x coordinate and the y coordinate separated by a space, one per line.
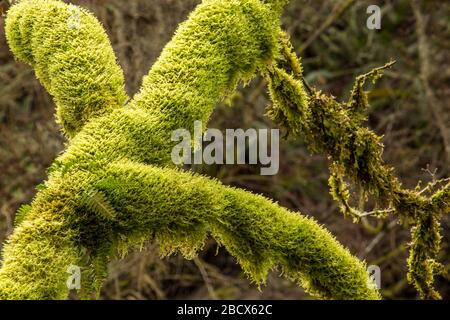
pixel 334 129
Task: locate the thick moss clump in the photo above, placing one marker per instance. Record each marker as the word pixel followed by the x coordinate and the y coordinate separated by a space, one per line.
pixel 75 63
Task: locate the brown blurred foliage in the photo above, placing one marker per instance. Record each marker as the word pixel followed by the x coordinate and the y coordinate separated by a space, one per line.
pixel 332 38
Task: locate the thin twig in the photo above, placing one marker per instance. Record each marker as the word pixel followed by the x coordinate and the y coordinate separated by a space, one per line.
pixel 379 237
pixel 425 76
pixel 338 11
pixel 375 213
pixel 205 277
pixel 432 184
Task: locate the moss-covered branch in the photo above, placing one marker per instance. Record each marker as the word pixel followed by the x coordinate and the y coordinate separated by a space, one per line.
pixel 259 233
pixel 180 210
pixel 334 128
pixel 113 187
pixel 75 63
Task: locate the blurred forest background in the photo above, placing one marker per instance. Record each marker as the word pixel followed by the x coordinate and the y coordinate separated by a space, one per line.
pixel 410 107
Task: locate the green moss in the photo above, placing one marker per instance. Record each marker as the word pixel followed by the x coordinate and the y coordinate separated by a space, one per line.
pixel 37 254
pixel 75 64
pixel 115 185
pixel 185 208
pixel 334 129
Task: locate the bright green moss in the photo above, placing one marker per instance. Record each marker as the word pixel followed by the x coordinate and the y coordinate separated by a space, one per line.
pixel 221 43
pixel 36 256
pixel 185 208
pixel 115 186
pixel 84 83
